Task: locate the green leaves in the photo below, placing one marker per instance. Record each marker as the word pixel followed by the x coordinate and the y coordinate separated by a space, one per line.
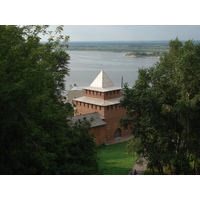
pixel 35 137
pixel 166 102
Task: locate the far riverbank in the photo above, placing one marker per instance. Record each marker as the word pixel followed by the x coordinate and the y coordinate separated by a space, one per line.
pixel 133 56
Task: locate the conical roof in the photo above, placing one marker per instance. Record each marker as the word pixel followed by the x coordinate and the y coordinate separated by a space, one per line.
pixel 102 83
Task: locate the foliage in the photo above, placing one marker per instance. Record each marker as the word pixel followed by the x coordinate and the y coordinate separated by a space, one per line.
pixel 147 54
pixel 163 108
pixel 35 137
pixel 115 160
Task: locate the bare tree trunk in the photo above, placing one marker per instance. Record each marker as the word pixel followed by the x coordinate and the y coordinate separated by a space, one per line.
pixel 170 168
pixel 195 163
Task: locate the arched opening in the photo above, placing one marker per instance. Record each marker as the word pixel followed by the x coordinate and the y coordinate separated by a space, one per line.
pixel 118 133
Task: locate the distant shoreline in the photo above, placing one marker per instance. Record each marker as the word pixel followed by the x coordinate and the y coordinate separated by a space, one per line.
pixel 127 55
pixel 133 56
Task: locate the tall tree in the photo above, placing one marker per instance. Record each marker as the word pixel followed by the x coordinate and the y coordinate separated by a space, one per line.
pixel 163 109
pixel 35 137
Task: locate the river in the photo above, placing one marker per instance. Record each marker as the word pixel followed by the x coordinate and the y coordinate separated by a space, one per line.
pixel 85 66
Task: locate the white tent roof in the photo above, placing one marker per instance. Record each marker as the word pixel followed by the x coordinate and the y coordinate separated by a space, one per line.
pixel 102 83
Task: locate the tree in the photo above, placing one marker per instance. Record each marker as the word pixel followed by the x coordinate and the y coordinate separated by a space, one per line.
pixel 163 109
pixel 35 136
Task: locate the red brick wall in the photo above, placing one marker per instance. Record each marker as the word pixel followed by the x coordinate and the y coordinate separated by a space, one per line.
pixel 102 95
pixel 106 133
pixel 99 133
pixel 112 115
pixel 85 108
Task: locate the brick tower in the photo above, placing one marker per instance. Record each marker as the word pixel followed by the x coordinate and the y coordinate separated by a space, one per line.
pixel 102 97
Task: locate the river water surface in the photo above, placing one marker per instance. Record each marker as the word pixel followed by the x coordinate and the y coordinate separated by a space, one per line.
pixel 86 65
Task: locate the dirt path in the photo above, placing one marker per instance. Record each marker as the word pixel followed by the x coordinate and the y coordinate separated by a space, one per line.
pixel 121 139
pixel 139 168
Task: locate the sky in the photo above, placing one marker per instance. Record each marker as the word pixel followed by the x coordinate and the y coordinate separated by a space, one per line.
pixel 130 32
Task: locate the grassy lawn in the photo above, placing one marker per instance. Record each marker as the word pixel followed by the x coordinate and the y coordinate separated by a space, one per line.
pixel 114 159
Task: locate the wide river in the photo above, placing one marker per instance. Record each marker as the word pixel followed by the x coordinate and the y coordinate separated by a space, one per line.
pixel 86 65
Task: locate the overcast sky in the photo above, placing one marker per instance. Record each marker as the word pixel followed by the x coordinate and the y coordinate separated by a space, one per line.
pixel 130 32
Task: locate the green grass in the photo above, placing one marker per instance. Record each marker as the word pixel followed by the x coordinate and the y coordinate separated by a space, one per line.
pixel 115 160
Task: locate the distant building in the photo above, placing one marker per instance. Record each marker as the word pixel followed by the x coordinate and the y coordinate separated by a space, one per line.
pixel 100 101
pixel 74 93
